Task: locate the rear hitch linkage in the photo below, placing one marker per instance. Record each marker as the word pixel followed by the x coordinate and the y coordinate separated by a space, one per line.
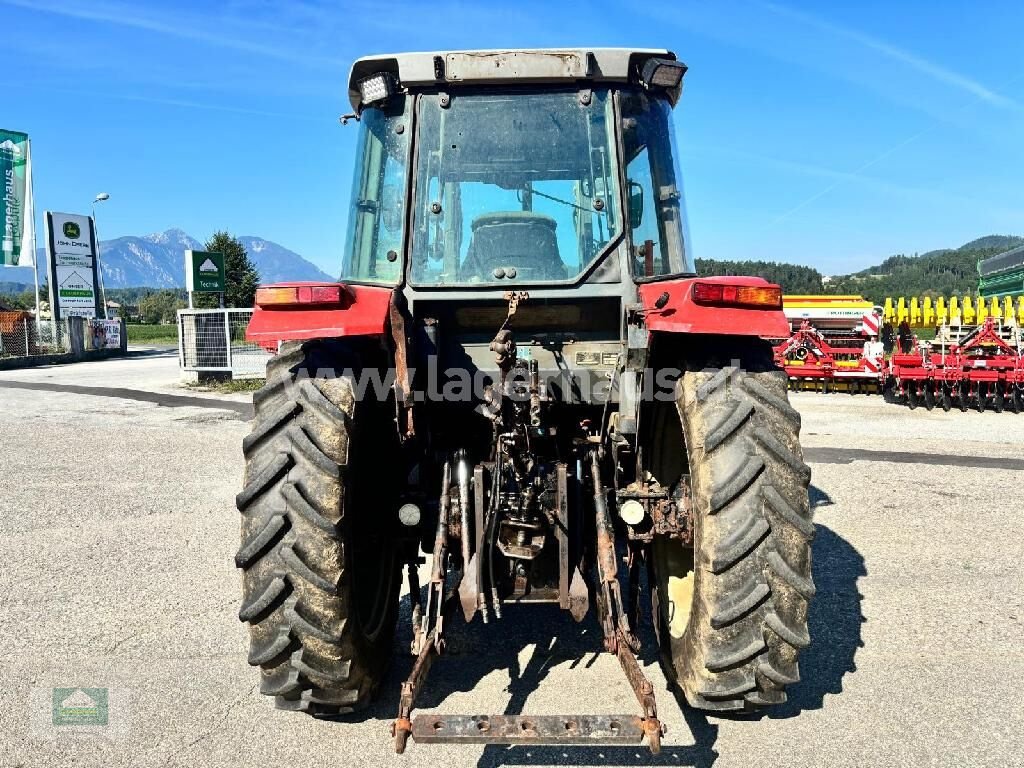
pixel 619 639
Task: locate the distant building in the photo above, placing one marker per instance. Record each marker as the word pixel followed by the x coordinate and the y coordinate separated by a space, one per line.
pixel 114 310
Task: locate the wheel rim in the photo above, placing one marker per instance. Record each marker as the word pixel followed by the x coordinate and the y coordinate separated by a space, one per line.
pixel 675 565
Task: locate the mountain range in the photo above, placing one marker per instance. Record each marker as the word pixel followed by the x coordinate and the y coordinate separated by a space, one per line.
pixel 158 261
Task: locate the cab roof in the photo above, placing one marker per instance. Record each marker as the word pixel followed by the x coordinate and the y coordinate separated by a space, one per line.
pixel 507 66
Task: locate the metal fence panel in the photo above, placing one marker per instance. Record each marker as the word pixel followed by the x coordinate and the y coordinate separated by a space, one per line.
pixel 22 336
pixel 213 340
pixel 248 360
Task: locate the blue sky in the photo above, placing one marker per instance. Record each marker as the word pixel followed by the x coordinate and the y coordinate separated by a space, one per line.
pixel 827 134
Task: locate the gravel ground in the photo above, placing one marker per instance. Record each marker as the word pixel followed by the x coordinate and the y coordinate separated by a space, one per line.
pixel 119 531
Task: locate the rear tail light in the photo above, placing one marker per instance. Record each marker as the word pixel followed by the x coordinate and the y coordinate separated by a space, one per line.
pixel 728 295
pixel 294 295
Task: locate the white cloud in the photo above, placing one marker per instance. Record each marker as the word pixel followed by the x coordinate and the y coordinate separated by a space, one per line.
pixel 209 31
pixel 931 69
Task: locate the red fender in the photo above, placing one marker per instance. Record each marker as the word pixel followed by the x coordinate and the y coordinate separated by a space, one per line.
pixel 679 313
pixel 362 311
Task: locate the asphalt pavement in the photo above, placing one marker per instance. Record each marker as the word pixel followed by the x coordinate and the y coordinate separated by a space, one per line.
pixel 118 532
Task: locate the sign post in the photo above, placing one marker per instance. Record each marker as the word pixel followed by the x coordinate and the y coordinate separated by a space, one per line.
pixel 204 273
pixel 71 262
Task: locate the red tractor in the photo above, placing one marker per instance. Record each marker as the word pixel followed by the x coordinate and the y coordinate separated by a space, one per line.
pixel 520 375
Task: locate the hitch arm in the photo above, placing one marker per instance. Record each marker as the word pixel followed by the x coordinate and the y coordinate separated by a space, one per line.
pixel 401 729
pixel 618 637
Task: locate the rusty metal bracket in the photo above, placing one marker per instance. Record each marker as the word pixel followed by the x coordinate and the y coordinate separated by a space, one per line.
pixel 403 387
pixel 525 729
pixel 667 514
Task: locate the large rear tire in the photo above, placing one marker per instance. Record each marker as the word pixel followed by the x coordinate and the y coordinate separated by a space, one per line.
pixel 321 614
pixel 731 612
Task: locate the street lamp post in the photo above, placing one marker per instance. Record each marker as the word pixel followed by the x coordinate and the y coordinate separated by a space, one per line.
pixel 101 197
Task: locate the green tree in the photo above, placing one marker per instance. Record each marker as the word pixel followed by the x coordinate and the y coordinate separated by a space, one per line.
pixel 22 300
pixel 792 277
pixel 241 275
pixel 160 307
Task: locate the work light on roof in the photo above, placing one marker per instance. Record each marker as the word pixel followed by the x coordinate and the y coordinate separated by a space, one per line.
pixel 377 88
pixel 662 73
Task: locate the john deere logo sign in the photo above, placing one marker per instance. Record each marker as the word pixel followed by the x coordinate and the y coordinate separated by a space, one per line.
pixel 72 230
pixel 204 271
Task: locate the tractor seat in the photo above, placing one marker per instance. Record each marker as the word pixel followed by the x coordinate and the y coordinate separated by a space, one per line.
pixel 523 240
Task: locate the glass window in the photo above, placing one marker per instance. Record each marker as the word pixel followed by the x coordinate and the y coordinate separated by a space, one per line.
pixel 654 194
pixel 376 223
pixel 513 187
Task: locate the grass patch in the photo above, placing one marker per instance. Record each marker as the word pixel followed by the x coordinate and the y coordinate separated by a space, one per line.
pixel 152 334
pixel 228 386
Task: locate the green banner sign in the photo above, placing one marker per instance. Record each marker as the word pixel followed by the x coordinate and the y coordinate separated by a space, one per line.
pixel 13 195
pixel 204 271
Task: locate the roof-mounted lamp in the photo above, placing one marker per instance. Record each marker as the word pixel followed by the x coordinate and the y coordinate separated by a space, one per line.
pixel 662 73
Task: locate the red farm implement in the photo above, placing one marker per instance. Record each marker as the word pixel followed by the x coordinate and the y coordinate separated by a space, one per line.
pixel 814 360
pixel 984 369
pixel 833 343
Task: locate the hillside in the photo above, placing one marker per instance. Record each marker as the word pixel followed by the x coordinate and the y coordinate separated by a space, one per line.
pixel 935 273
pixel 942 272
pixel 276 263
pixel 157 261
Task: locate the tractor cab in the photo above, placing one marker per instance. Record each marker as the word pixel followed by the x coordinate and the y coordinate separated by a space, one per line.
pixel 502 170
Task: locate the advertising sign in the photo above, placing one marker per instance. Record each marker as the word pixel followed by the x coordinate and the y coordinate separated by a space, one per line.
pixel 106 334
pixel 204 271
pixel 71 261
pixel 14 193
pixel 76 294
pixel 72 235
